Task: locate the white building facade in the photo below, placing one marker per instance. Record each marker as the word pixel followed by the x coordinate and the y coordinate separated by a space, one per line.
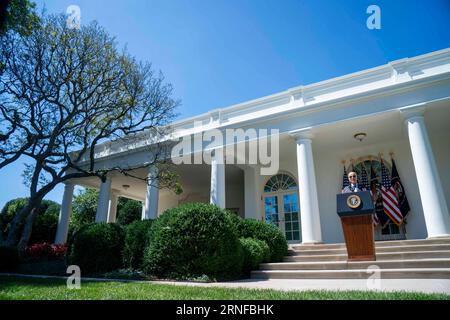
pixel 403 108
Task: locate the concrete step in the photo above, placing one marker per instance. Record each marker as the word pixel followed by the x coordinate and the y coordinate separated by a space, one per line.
pixel 377 244
pixel 401 248
pixel 380 256
pixel 407 273
pixel 344 265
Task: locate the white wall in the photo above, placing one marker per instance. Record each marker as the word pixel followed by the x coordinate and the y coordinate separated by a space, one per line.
pixel 167 199
pixel 440 143
pixel 199 192
pixel 234 194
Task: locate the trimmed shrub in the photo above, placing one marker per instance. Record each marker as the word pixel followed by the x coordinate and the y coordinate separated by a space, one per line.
pixel 9 259
pixel 97 247
pixel 128 211
pixel 255 252
pixel 250 228
pixel 235 219
pixel 44 225
pixel 137 236
pixel 191 241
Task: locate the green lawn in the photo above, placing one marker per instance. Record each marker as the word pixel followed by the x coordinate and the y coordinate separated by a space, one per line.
pixel 28 288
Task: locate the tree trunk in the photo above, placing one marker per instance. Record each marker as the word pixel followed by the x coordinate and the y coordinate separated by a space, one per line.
pixel 14 231
pixel 26 233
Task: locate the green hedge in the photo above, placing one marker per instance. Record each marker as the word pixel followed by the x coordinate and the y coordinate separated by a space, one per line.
pixel 250 228
pixel 97 247
pixel 194 240
pixel 44 225
pixel 9 259
pixel 137 236
pixel 128 211
pixel 255 252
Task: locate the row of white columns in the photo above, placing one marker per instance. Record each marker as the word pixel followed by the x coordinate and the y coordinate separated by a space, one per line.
pixel 434 205
pixel 107 198
pixel 107 204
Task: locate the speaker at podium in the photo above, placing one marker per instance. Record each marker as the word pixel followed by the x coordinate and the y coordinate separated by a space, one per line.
pixel 356 211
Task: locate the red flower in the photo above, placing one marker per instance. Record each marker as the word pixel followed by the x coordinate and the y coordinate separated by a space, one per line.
pixel 46 251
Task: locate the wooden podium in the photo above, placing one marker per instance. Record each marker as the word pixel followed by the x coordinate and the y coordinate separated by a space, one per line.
pixel 355 210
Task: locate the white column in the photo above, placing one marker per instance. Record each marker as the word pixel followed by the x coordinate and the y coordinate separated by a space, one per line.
pixel 64 215
pixel 112 211
pixel 309 204
pixel 151 199
pixel 434 206
pixel 217 192
pixel 103 201
pixel 252 195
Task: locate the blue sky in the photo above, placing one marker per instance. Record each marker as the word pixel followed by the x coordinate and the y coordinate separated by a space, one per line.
pixel 220 52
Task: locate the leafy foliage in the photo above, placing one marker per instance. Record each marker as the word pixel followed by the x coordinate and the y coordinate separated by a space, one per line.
pixel 20 16
pixel 85 204
pixel 45 224
pixel 137 236
pixel 193 240
pixel 97 247
pixel 250 228
pixel 84 209
pixel 255 252
pixel 128 211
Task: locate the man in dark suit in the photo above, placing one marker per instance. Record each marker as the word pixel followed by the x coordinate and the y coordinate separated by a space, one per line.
pixel 353 186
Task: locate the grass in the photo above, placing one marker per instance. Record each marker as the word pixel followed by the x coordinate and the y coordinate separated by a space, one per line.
pixel 17 288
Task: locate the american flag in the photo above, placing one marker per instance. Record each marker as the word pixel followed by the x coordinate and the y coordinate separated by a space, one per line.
pixel 345 181
pixel 364 180
pixel 374 192
pixel 390 201
pixel 373 179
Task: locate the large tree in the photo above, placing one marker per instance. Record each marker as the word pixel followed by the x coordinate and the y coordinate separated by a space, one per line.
pixel 63 92
pixel 17 15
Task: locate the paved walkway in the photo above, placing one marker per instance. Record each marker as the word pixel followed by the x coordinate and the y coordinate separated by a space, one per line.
pixel 411 285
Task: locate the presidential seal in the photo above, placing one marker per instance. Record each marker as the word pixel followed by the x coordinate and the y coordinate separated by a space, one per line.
pixel 353 201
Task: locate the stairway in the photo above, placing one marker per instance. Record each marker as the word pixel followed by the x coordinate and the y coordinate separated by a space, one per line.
pixel 401 259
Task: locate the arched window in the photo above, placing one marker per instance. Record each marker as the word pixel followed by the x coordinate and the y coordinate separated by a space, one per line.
pixel 280 182
pixel 368 163
pixel 281 207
